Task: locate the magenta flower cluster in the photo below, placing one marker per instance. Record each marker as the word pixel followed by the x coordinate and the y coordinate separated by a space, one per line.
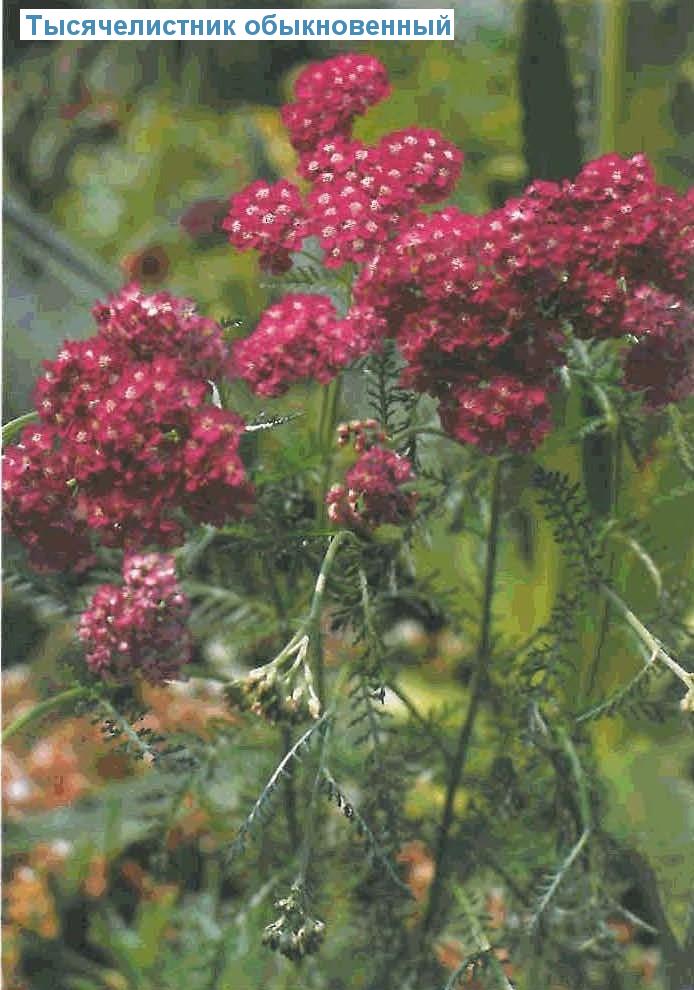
pixel 329 95
pixel 478 305
pixel 301 338
pixel 129 445
pixel 373 493
pixel 140 627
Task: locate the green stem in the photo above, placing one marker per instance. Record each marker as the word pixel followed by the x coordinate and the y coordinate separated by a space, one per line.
pixel 654 646
pixel 290 792
pixel 322 579
pixel 330 402
pixel 290 782
pixel 313 623
pixel 476 690
pixel 44 706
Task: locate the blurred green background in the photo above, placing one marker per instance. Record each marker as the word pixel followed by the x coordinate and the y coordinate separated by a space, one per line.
pixel 119 159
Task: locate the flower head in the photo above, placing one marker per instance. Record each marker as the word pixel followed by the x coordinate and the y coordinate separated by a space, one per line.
pixel 373 492
pixel 661 361
pixel 301 337
pixel 141 327
pixel 130 444
pixel 503 413
pixel 138 628
pixel 39 503
pixel 330 94
pixel 269 218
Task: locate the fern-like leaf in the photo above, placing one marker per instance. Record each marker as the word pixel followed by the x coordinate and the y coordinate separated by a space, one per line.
pixel 376 853
pixel 554 881
pixel 262 809
pixel 574 529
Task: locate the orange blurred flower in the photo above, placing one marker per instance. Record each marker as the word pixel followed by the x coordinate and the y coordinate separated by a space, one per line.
pixel 622 930
pixel 29 903
pixel 96 881
pixel 48 857
pixel 10 958
pixel 144 884
pixel 189 706
pixel 193 822
pixel 419 864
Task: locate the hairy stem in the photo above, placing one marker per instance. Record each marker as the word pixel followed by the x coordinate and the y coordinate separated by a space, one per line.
pixel 647 637
pixel 290 792
pixel 476 690
pixel 44 706
pixel 330 402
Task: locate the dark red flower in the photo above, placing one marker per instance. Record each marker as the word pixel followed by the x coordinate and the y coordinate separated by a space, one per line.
pixel 270 218
pixel 661 362
pixel 302 338
pixel 373 492
pixel 139 628
pixel 503 413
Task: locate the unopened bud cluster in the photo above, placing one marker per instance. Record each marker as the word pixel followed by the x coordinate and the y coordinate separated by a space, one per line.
pixel 363 433
pixel 294 933
pixel 277 692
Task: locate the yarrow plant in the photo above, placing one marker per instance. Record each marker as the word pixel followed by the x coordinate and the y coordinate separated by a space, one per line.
pixel 471 329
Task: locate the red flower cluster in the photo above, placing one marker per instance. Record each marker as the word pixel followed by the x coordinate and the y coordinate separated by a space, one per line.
pixel 301 337
pixel 129 443
pixel 479 306
pixel 359 194
pixel 373 494
pixel 139 628
pixel 143 327
pixel 354 212
pixel 481 303
pixel 330 95
pixel 661 362
pixel 504 412
pixel 269 218
pixel 39 504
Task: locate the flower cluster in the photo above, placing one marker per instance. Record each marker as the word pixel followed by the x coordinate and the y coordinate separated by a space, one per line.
pixel 373 493
pixel 39 507
pixel 129 444
pixel 330 95
pixel 661 362
pixel 357 207
pixel 478 305
pixel 140 627
pixel 503 412
pixel 269 218
pixel 301 338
